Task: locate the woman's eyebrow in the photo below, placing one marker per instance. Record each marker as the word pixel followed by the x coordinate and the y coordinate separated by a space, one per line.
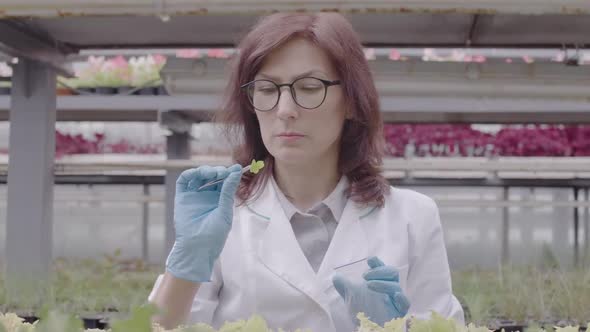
pixel 307 73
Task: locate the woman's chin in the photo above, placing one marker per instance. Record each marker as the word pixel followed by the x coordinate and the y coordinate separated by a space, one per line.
pixel 291 157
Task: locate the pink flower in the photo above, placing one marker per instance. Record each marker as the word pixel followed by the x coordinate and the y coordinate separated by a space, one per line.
pixel 119 62
pixel 159 59
pixel 394 55
pixel 217 53
pixel 188 53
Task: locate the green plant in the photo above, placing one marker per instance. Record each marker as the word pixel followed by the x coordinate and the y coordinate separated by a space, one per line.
pixel 146 70
pixel 87 286
pixel 113 286
pixel 141 320
pixel 525 294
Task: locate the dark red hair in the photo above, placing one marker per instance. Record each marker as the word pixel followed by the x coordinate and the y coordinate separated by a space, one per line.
pixel 362 143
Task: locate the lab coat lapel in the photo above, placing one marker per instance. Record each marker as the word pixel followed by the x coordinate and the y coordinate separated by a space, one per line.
pixel 349 245
pixel 280 252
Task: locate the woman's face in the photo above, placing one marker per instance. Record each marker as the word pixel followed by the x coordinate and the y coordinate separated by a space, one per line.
pixel 317 130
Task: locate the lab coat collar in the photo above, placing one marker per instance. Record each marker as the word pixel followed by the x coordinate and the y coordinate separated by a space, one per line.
pixel 280 252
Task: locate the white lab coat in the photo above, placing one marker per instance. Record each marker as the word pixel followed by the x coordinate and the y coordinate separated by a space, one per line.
pixel 262 270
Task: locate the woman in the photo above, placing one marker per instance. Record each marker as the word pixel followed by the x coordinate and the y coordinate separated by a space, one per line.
pixel 318 235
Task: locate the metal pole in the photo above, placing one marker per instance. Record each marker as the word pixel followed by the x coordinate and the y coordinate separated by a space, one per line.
pixel 586 223
pixel 576 229
pixel 505 228
pixel 145 222
pixel 178 147
pixel 528 224
pixel 29 211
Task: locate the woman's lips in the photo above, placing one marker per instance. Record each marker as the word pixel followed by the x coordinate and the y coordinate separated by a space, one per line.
pixel 290 137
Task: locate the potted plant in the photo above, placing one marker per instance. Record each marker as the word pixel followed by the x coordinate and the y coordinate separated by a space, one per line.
pixel 146 74
pixel 114 76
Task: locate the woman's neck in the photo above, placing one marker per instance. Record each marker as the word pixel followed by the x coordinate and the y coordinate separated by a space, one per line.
pixel 305 185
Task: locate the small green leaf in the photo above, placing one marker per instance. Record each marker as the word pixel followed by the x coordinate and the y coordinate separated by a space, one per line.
pixel 366 325
pixel 395 325
pixel 236 326
pixel 567 329
pixel 53 320
pixel 256 166
pixel 436 323
pixel 199 327
pixel 140 320
pixel 256 324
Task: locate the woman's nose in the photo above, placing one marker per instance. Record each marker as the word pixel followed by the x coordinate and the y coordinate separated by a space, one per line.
pixel 286 107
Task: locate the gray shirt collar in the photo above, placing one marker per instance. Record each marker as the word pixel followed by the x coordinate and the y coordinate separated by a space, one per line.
pixel 335 201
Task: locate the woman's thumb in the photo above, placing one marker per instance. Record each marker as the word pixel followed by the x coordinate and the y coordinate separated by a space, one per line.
pixel 228 189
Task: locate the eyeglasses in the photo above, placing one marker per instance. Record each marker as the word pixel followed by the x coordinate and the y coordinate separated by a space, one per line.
pixel 307 92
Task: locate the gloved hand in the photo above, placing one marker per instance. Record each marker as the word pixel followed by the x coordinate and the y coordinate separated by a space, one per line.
pixel 379 295
pixel 202 220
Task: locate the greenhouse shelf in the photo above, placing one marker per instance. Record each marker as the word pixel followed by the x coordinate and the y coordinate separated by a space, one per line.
pixel 198 107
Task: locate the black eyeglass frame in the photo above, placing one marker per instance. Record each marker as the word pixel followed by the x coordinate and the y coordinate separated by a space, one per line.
pixel 327 84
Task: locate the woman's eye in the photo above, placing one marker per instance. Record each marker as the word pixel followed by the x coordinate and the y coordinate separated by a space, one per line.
pixel 265 89
pixel 311 87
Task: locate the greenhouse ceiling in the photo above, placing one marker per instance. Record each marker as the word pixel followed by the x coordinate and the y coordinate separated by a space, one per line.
pixel 47 30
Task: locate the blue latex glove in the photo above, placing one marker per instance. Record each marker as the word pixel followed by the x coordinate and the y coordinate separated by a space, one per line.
pixel 202 220
pixel 379 295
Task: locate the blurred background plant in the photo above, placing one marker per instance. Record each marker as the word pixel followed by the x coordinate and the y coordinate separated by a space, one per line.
pixel 90 286
pixel 541 294
pixel 118 71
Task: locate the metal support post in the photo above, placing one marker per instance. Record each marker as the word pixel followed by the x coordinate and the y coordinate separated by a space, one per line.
pixel 505 257
pixel 177 147
pixel 29 212
pixel 145 213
